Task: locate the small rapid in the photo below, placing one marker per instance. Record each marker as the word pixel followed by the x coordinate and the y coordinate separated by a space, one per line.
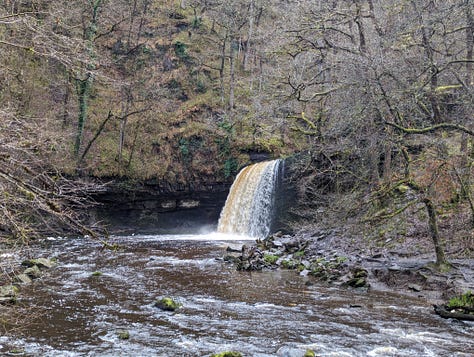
pixel 75 312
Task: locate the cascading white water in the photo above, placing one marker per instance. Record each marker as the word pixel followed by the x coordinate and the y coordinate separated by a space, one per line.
pixel 249 205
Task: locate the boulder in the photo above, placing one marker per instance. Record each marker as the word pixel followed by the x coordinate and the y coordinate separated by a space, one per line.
pixel 232 259
pixel 33 272
pixel 8 290
pixel 167 304
pixel 40 262
pixel 123 334
pixel 23 278
pixel 8 294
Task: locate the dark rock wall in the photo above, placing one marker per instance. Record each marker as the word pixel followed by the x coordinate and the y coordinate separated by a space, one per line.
pixel 150 209
pixel 160 208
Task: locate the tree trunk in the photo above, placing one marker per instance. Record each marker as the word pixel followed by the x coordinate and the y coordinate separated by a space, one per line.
pixel 133 14
pixel 123 123
pixel 232 74
pixel 426 33
pixel 221 68
pixel 387 165
pixel 250 34
pixel 434 231
pixel 67 95
pixel 142 20
pixel 84 87
pixel 469 42
pixel 360 27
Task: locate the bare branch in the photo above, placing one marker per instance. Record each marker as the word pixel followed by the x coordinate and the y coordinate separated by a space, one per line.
pixel 431 129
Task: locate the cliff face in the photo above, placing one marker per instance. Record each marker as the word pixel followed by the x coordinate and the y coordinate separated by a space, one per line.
pixel 164 208
pixel 155 209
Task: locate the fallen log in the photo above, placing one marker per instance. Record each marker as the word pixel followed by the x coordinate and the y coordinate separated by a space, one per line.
pixel 459 314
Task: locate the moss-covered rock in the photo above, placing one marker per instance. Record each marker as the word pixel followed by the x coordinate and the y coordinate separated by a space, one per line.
pixel 123 334
pixel 23 278
pixel 232 259
pixel 358 279
pixel 465 300
pixel 167 304
pixel 227 354
pixel 289 264
pixel 33 272
pixel 9 290
pixel 40 262
pixel 270 258
pixel 8 294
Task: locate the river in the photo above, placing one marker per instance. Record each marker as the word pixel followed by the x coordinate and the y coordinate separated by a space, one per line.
pixel 275 313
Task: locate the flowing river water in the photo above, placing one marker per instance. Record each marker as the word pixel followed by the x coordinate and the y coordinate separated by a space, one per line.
pixel 275 313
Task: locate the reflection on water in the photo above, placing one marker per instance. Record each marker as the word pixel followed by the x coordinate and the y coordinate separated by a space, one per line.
pixel 259 314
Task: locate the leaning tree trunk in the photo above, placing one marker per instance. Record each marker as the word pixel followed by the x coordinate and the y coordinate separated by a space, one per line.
pixel 434 231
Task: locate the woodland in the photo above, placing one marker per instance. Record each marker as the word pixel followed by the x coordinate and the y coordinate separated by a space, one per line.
pixel 374 97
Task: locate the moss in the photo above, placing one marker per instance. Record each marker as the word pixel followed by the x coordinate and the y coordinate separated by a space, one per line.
pixel 270 259
pixel 441 89
pixel 309 353
pixel 123 334
pixel 167 304
pixel 462 301
pixel 289 264
pixel 300 267
pixel 16 352
pixel 299 254
pixel 227 354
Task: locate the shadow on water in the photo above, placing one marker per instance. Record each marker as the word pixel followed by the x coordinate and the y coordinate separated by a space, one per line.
pixel 272 313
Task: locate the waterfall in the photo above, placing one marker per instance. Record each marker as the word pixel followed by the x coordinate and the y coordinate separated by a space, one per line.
pixel 249 206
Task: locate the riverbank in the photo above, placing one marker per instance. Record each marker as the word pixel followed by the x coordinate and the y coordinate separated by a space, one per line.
pixel 343 257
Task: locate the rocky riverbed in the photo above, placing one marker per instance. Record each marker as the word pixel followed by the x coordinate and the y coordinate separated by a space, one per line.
pixel 330 258
pixel 104 302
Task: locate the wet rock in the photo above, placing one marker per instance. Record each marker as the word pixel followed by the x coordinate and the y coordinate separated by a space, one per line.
pixel 8 290
pixel 252 259
pixel 33 272
pixel 360 273
pixel 123 334
pixel 40 262
pixel 358 278
pixel 8 294
pixel 16 352
pixel 305 272
pixel 395 267
pixel 167 304
pixel 232 259
pixel 415 287
pixel 23 278
pixel 233 250
pixel 357 282
pixel 278 244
